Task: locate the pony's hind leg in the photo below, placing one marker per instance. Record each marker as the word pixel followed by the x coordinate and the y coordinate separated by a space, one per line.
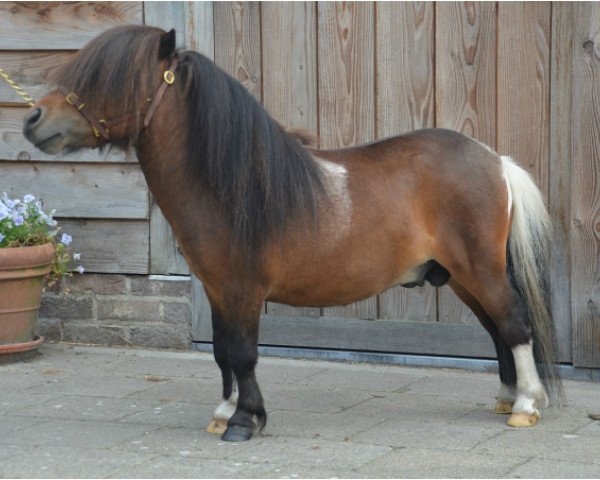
pixel 226 408
pixel 507 394
pixel 506 366
pixel 508 312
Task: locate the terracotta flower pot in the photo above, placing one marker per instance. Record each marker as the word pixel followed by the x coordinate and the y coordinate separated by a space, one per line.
pixel 22 271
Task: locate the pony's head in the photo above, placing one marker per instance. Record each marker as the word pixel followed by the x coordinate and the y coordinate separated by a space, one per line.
pixel 104 92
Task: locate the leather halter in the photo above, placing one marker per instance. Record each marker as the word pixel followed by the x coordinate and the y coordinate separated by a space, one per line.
pixel 101 127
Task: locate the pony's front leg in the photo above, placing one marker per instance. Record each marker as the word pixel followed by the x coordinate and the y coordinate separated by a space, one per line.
pixel 243 355
pixel 223 413
pixel 235 347
pixel 226 408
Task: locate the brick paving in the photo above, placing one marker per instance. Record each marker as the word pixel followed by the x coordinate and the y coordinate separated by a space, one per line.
pixel 93 412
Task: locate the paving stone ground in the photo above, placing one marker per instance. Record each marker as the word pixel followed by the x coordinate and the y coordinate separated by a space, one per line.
pixel 89 412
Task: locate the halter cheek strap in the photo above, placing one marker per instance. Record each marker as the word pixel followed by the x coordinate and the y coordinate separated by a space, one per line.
pixel 102 127
pixel 168 79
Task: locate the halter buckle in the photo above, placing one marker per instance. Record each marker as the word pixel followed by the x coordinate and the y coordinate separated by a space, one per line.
pixel 70 101
pixel 169 77
pixel 103 123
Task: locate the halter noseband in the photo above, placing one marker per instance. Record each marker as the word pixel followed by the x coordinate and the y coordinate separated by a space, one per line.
pixel 102 127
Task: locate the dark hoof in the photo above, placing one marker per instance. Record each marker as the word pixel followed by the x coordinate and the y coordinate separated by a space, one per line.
pixel 235 433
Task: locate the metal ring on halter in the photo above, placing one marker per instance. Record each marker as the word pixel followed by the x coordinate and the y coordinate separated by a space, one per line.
pixel 169 77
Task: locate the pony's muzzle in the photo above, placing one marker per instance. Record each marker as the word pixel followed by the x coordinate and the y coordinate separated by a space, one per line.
pixel 31 120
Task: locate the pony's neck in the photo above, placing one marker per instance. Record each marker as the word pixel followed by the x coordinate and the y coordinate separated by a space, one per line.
pixel 188 207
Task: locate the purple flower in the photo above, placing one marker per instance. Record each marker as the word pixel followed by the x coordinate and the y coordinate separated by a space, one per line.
pixel 18 219
pixel 28 198
pixel 66 239
pixel 80 269
pixel 9 203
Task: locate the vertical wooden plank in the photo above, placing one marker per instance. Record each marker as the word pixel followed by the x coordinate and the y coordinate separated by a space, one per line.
pixel 166 15
pixel 523 81
pixel 237 42
pixel 561 58
pixel 346 93
pixel 346 73
pixel 465 93
pixel 466 69
pixel 585 200
pixel 289 52
pixel 405 101
pixel 200 35
pixel 164 255
pixel 405 68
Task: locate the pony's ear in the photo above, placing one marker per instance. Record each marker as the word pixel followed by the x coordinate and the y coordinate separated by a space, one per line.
pixel 167 44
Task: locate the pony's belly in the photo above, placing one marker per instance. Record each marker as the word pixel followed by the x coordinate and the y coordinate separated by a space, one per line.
pixel 335 290
pixel 331 290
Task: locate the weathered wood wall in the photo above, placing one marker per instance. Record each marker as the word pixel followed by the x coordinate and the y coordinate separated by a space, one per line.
pixel 522 77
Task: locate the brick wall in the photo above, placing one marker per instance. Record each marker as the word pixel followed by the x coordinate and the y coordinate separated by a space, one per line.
pixel 118 310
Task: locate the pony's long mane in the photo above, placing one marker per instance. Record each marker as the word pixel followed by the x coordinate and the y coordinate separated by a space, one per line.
pixel 260 176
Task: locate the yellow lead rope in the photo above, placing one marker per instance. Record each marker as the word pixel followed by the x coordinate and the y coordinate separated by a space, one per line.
pixel 19 90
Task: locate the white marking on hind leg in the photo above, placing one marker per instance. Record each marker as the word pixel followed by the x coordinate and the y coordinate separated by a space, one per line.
pixel 530 391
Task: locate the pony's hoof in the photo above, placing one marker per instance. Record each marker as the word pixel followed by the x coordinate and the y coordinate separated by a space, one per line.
pixel 217 426
pixel 235 433
pixel 503 407
pixel 523 419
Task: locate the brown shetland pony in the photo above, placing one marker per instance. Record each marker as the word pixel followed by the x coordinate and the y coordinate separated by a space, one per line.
pixel 260 217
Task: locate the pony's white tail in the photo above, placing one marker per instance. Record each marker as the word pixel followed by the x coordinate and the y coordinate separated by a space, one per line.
pixel 528 256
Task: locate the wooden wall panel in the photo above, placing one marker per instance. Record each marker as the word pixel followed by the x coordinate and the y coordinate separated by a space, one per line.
pixel 585 199
pixel 61 25
pixel 238 42
pixel 31 70
pixel 110 246
pixel 465 94
pixel 80 191
pixel 523 80
pixel 347 93
pixel 289 53
pixel 405 101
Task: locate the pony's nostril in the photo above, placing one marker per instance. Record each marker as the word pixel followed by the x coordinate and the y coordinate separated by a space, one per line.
pixel 33 117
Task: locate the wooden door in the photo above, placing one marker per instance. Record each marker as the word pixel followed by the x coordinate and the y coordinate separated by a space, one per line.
pixel 354 72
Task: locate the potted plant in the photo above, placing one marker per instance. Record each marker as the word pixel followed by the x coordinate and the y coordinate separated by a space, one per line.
pixel 30 254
